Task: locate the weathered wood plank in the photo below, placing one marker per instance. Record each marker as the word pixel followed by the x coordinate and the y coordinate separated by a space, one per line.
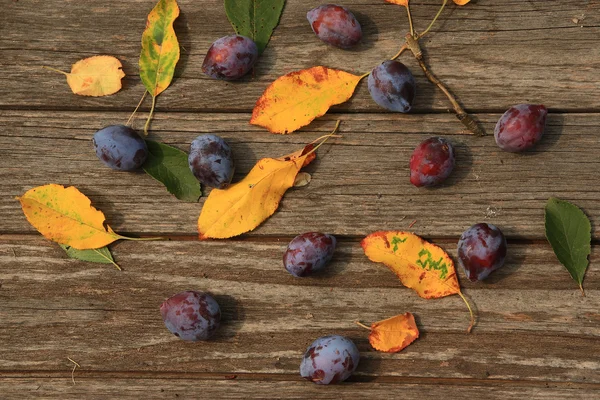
pixel 360 184
pixel 169 388
pixel 492 54
pixel 533 322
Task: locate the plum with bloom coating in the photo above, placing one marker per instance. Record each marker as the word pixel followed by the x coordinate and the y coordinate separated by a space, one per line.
pixel 481 250
pixel 191 315
pixel 230 57
pixel 335 25
pixel 432 162
pixel 329 360
pixel 392 86
pixel 120 147
pixel 308 253
pixel 521 127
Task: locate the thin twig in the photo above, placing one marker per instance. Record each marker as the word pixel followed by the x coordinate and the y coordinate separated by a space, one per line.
pixel 74 368
pixel 399 53
pixel 410 22
pixel 434 19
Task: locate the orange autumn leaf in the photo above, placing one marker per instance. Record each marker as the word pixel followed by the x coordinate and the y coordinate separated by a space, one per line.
pixel 461 2
pixel 399 2
pixel 295 99
pixel 95 76
pixel 420 265
pixel 244 205
pixel 66 216
pixel 394 334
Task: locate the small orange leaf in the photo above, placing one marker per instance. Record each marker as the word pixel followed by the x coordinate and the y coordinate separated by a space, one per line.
pixel 394 334
pixel 461 2
pixel 420 265
pixel 66 216
pixel 400 2
pixel 295 99
pixel 95 76
pixel 245 205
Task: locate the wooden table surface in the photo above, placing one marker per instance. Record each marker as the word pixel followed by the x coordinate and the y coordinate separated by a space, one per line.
pixel 536 336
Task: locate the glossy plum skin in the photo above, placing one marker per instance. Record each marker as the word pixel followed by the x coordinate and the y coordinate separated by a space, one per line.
pixel 432 162
pixel 481 250
pixel 120 147
pixel 191 315
pixel 335 25
pixel 230 57
pixel 211 161
pixel 392 86
pixel 308 253
pixel 521 127
pixel 329 360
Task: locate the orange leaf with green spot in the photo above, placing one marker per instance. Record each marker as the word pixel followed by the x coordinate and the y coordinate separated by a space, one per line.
pixel 394 334
pixel 295 99
pixel 420 265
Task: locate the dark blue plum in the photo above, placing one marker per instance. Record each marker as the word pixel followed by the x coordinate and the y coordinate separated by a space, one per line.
pixel 120 147
pixel 431 162
pixel 211 161
pixel 330 359
pixel 481 250
pixel 230 57
pixel 335 25
pixel 392 86
pixel 191 315
pixel 521 127
pixel 308 253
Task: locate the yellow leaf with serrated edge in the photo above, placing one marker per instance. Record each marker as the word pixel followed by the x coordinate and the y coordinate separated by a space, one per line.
pixel 244 205
pixel 66 216
pixel 295 99
pixel 95 76
pixel 420 265
pixel 399 2
pixel 394 334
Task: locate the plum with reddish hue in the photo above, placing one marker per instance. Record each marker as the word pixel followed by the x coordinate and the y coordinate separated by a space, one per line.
pixel 191 315
pixel 211 161
pixel 329 360
pixel 308 253
pixel 230 57
pixel 392 86
pixel 481 250
pixel 120 147
pixel 431 162
pixel 335 25
pixel 521 127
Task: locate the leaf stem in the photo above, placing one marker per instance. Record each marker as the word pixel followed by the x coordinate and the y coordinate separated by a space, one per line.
pixel 332 134
pixel 410 22
pixel 472 324
pixel 434 19
pixel 582 291
pixel 138 106
pixel 362 325
pixel 147 125
pixel 399 53
pixel 141 239
pixel 56 70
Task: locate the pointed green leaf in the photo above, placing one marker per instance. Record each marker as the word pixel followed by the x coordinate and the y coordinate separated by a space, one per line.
pixel 255 19
pixel 569 232
pixel 101 255
pixel 169 166
pixel 160 48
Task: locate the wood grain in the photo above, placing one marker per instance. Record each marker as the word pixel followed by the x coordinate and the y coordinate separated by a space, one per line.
pixel 492 54
pixel 533 323
pixel 360 182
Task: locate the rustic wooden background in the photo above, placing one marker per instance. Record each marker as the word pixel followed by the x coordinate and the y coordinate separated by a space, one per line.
pixel 536 336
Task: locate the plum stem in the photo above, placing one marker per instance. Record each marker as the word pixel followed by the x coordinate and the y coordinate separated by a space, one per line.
pixel 362 325
pixel 410 22
pixel 138 106
pixel 147 125
pixel 470 328
pixel 56 70
pixel 461 114
pixel 432 22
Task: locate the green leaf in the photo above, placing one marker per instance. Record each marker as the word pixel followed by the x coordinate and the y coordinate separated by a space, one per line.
pixel 570 234
pixel 101 255
pixel 169 166
pixel 160 48
pixel 255 19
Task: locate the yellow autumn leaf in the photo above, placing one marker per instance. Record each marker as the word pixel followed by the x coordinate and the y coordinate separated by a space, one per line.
pixel 420 265
pixel 95 76
pixel 399 2
pixel 244 205
pixel 394 334
pixel 295 99
pixel 66 216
